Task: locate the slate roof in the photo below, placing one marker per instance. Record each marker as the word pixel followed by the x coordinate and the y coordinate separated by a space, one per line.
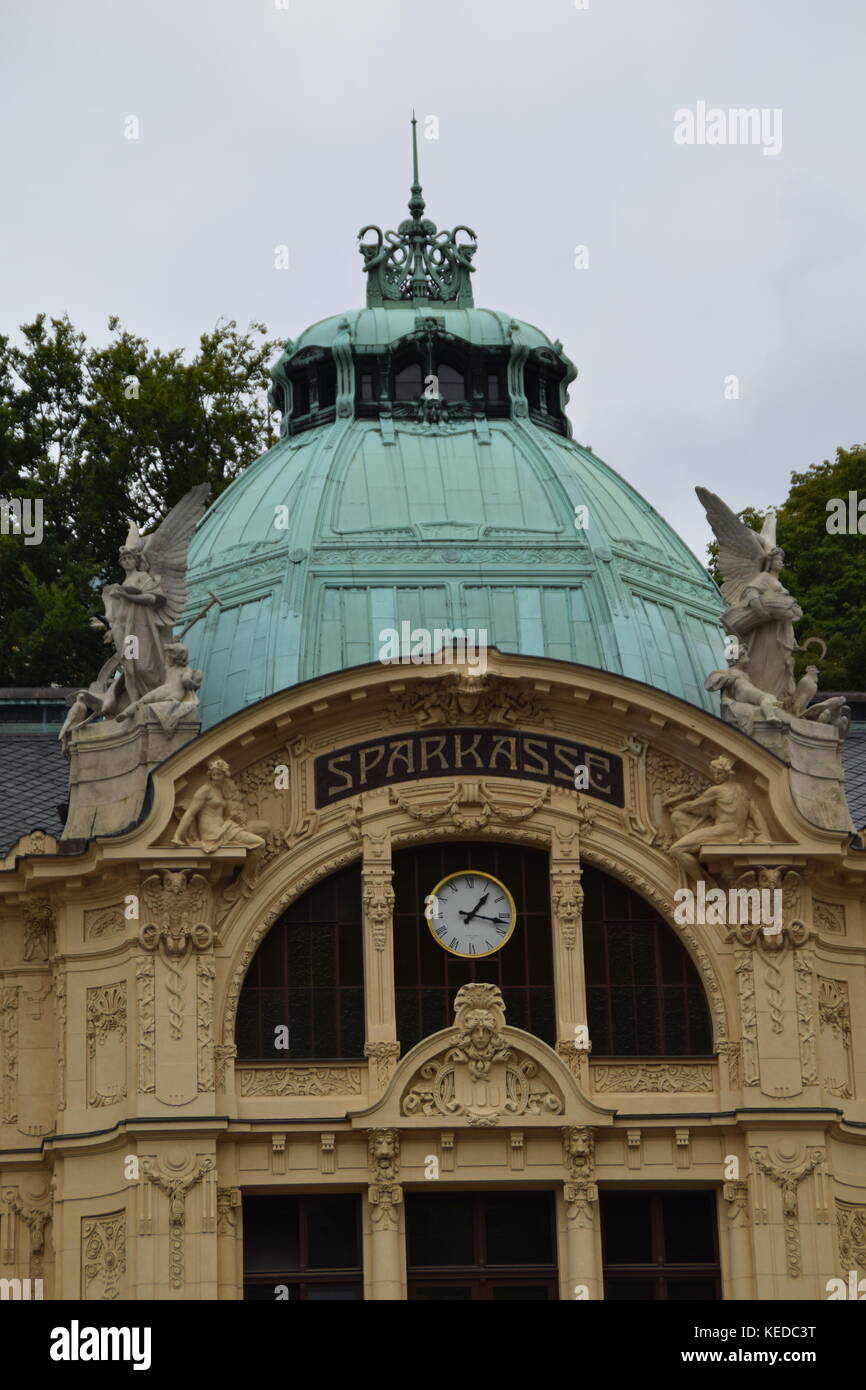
pixel 34 780
pixel 854 759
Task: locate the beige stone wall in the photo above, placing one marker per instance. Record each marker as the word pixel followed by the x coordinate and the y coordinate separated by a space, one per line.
pixel 128 1132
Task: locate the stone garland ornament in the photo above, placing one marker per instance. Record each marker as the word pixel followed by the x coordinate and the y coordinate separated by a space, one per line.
pixel 788 1180
pixel 470 807
pixel 177 1190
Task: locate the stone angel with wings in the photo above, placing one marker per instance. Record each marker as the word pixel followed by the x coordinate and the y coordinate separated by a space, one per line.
pixel 761 612
pixel 141 613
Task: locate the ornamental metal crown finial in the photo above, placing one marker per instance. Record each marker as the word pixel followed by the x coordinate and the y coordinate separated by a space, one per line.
pixel 418 264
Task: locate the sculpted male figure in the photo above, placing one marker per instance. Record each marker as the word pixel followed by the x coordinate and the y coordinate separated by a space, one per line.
pixel 723 814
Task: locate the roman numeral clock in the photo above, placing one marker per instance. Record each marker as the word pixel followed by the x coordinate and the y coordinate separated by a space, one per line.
pixel 471 914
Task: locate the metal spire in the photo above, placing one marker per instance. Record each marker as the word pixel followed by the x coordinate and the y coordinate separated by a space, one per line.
pixel 416 202
pixel 417 263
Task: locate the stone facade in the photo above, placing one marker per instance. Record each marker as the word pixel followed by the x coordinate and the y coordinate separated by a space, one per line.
pixel 129 1133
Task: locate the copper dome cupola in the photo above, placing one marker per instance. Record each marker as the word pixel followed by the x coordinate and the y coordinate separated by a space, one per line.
pixel 421 351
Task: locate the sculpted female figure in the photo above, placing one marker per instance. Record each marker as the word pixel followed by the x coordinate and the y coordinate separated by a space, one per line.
pixel 208 822
pixel 136 617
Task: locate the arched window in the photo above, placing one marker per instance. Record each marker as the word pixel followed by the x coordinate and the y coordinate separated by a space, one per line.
pixel 427 977
pixel 452 383
pixel 308 976
pixel 644 995
pixel 409 383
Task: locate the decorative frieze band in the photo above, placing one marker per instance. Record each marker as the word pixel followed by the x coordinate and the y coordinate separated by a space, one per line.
pixel 656 1077
pixel 267 1080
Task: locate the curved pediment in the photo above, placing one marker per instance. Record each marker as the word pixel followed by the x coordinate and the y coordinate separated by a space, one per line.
pixel 531 720
pixel 481 1073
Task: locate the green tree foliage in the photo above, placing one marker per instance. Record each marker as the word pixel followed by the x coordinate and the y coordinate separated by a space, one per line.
pixel 825 572
pixel 102 435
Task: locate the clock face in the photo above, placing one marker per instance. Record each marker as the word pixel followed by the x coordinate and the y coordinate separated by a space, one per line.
pixel 471 914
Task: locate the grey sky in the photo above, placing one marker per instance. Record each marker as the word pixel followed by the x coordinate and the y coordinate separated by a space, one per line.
pixel 261 126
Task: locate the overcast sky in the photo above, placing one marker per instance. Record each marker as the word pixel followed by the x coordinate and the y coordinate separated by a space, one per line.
pixel 262 125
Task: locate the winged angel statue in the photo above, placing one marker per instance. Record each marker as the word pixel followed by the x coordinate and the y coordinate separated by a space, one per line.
pixel 147 667
pixel 761 614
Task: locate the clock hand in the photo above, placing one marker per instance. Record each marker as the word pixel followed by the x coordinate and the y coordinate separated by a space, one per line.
pixel 474 913
pixel 481 917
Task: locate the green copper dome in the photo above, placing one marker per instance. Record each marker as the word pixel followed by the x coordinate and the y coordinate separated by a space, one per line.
pixel 426 473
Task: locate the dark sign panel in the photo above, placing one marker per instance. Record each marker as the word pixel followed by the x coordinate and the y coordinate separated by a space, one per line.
pixel 466 753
